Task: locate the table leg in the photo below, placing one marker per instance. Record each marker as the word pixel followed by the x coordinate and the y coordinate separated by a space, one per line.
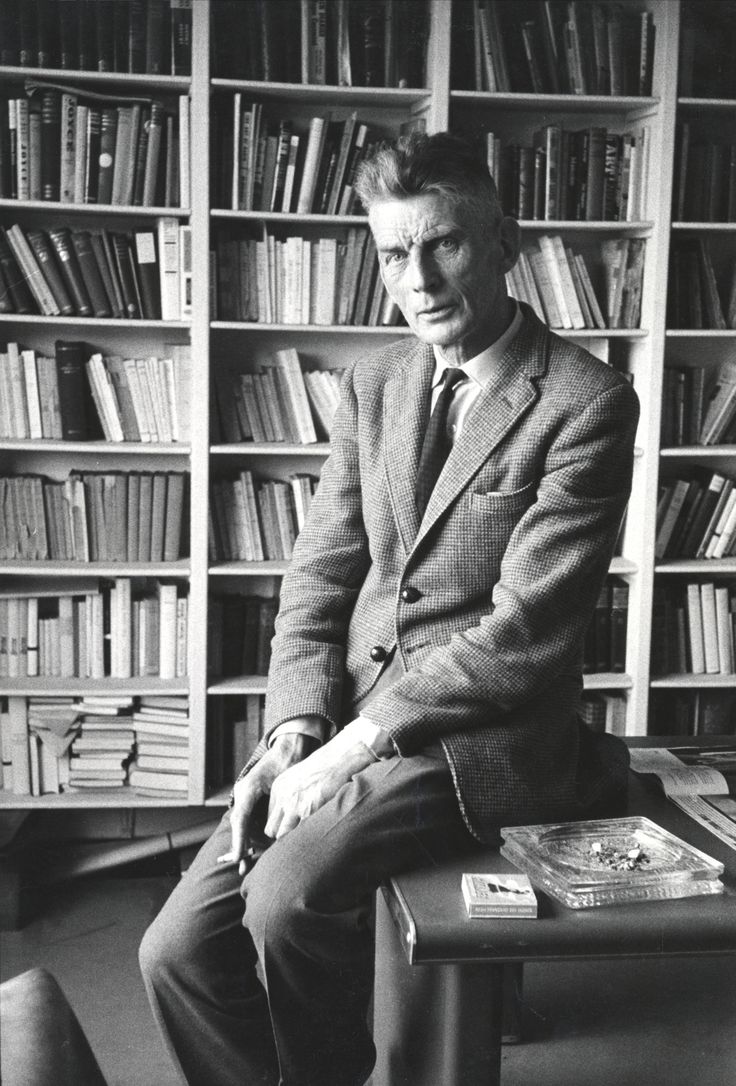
pixel 434 1024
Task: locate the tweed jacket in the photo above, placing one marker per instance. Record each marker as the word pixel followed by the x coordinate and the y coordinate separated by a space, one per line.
pixel 504 570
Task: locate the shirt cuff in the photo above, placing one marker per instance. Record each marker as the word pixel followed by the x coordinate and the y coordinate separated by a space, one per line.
pixel 376 739
pixel 313 728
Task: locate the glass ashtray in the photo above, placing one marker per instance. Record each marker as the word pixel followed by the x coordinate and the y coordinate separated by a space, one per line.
pixel 610 860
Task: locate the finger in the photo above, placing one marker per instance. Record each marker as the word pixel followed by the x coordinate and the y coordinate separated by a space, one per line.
pixel 288 822
pixel 240 817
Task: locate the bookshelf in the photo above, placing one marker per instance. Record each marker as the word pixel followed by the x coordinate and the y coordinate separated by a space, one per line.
pixel 227 346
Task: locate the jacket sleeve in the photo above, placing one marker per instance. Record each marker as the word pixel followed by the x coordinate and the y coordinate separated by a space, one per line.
pixel 329 564
pixel 555 562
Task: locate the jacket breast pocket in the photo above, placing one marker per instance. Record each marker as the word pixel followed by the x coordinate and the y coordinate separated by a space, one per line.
pixel 495 513
pixel 504 503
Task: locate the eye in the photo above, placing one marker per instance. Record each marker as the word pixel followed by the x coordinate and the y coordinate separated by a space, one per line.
pixel 393 257
pixel 446 245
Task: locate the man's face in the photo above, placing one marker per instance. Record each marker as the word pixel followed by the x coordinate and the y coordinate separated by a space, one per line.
pixel 445 271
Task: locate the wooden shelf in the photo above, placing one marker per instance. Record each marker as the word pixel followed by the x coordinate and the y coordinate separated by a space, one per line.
pixel 45 686
pixel 129 81
pixel 55 207
pixel 607 680
pixel 698 452
pixel 309 93
pixel 17 567
pixel 319 450
pixel 313 329
pixel 555 103
pixel 700 333
pixel 714 104
pixel 93 448
pixel 700 567
pixel 92 322
pixel 243 684
pixel 693 682
pixel 249 569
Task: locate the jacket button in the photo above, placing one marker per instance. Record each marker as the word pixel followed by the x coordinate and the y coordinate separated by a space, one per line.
pixel 378 653
pixel 410 594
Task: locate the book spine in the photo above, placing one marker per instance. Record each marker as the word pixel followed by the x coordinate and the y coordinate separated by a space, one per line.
pixel 90 273
pixel 121 255
pixel 70 370
pixel 153 155
pixel 33 275
pixel 68 136
pixel 61 240
pixel 106 157
pixel 23 181
pixel 80 155
pixel 169 260
pixel 49 269
pixel 50 144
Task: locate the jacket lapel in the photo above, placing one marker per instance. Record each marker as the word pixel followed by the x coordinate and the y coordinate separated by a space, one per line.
pixel 507 397
pixel 406 397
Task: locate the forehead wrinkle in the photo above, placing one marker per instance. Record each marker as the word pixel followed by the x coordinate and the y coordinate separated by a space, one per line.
pixel 413 231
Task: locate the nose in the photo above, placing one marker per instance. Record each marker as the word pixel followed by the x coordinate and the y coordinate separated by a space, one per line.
pixel 423 273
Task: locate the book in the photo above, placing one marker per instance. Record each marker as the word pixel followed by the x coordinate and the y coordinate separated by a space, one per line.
pixel 498 894
pixel 62 241
pixel 701 782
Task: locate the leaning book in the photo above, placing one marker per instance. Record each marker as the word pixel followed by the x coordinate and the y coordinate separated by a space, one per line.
pixel 499 894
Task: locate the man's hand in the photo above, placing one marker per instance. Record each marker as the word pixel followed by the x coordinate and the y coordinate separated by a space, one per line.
pixel 304 788
pixel 285 751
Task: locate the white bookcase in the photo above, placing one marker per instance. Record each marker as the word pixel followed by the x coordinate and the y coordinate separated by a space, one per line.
pixel 643 352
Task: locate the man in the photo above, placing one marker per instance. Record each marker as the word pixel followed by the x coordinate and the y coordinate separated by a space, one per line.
pixel 428 643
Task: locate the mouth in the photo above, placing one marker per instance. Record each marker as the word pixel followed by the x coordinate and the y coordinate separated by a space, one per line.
pixel 436 312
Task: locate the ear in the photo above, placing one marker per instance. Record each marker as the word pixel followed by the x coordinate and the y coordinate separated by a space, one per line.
pixel 509 238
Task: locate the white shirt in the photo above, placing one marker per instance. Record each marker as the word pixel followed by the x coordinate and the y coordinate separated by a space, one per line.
pixel 479 371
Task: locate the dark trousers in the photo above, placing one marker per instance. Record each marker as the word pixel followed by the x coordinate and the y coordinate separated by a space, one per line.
pixel 305 931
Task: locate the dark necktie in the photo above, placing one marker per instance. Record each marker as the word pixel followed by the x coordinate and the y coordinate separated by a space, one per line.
pixel 436 447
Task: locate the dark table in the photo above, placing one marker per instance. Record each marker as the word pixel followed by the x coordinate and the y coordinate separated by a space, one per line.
pixel 439 975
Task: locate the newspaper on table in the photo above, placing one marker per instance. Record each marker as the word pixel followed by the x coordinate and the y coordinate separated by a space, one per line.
pixel 695 780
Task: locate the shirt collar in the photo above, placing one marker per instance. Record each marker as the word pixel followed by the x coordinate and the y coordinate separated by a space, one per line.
pixel 480 368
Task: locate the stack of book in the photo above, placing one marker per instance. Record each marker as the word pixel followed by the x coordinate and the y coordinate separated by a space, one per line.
pixel 161 765
pixel 552 48
pixel 705 178
pixel 695 297
pixel 279 165
pixel 36 734
pixel 604 712
pixel 699 405
pixel 279 402
pixel 605 642
pixel 693 629
pixel 82 273
pixel 589 175
pixel 696 517
pixel 103 747
pixel 348 43
pixel 95 630
pixel 239 634
pixel 74 147
pixel 78 395
pixel 151 36
pixel 556 283
pixel 93 517
pixel 298 281
pixel 255 521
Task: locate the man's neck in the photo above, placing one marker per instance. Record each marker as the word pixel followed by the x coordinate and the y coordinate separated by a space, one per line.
pixel 457 354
